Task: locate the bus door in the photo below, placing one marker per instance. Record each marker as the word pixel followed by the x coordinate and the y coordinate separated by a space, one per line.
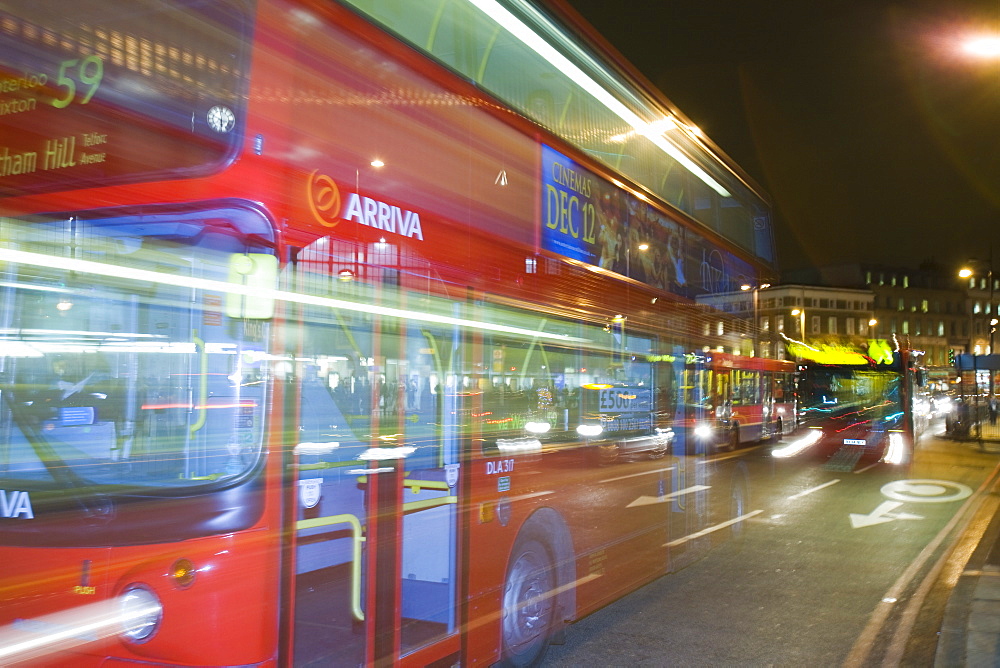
pixel 767 412
pixel 428 418
pixel 376 461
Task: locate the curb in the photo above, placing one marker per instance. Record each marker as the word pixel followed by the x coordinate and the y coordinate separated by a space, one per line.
pixel 970 630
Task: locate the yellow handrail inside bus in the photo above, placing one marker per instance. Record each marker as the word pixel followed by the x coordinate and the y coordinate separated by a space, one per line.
pixel 416 486
pixel 202 404
pixel 414 506
pixel 357 537
pixel 330 465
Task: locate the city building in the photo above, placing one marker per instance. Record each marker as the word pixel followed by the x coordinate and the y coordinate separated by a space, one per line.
pixel 930 309
pixel 817 315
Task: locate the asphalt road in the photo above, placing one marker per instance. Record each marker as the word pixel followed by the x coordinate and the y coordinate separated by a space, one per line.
pixel 840 567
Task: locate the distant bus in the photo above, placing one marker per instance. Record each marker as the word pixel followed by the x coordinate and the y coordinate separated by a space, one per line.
pixel 736 399
pixel 352 333
pixel 859 405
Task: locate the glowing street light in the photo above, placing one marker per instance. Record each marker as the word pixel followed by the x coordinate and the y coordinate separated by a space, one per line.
pixel 801 315
pixel 983 46
pixel 755 290
pixel 969 272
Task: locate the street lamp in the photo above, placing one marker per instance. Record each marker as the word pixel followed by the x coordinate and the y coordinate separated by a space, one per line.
pixel 801 315
pixel 968 272
pixel 985 46
pixel 755 295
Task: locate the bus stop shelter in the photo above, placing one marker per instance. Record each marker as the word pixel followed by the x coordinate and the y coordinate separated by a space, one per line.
pixel 975 412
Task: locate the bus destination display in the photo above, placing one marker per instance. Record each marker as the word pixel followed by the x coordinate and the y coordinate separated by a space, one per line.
pixel 95 93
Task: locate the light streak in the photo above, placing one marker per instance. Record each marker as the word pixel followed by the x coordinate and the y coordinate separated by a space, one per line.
pixel 256 292
pixel 27 639
pixel 652 131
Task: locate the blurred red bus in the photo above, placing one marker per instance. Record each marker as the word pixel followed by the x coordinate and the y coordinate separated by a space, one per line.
pixel 734 399
pixel 315 352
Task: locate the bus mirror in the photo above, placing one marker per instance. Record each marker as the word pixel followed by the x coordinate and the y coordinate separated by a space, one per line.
pixel 259 272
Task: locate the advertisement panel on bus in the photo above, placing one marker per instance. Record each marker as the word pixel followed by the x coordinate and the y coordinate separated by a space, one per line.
pixel 588 218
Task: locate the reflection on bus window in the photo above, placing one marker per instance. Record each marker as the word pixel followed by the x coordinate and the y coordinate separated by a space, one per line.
pixel 112 376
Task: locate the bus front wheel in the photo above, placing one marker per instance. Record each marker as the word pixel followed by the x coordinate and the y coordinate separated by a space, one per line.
pixel 730 440
pixel 529 603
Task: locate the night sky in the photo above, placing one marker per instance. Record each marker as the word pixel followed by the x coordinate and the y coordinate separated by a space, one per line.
pixel 876 137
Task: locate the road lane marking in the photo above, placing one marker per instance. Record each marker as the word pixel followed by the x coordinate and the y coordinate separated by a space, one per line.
pixel 636 475
pixel 531 495
pixel 650 500
pixel 708 530
pixel 925 491
pixel 861 651
pixel 814 489
pixel 881 515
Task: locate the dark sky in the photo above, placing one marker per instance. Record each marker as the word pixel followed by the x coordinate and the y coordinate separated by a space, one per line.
pixel 876 138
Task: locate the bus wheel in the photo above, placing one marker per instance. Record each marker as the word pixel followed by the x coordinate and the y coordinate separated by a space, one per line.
pixel 529 603
pixel 732 439
pixel 659 452
pixel 606 454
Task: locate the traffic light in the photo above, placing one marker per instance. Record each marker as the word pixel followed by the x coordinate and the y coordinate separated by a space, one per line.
pixel 951 357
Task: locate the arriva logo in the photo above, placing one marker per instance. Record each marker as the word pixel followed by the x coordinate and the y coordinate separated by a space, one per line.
pixel 15 504
pixel 329 210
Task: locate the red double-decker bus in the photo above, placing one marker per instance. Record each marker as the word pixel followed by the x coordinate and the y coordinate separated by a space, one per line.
pixel 349 333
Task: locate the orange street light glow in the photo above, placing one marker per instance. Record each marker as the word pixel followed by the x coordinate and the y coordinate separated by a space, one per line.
pixel 986 46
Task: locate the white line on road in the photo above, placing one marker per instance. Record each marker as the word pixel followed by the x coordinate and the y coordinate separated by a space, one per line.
pixel 703 532
pixel 649 500
pixel 636 475
pixel 814 489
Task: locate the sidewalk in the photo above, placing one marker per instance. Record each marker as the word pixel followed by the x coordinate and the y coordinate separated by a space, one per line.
pixel 970 630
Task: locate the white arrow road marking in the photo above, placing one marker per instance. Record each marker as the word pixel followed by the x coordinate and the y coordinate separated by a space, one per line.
pixel 881 514
pixel 650 500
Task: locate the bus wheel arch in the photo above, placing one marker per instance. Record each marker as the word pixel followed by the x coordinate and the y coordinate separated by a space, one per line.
pixel 541 560
pixel 730 439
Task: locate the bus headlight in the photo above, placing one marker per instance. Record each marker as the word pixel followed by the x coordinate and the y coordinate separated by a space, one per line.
pixel 703 431
pixel 537 427
pixel 896 452
pixel 141 612
pixel 809 438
